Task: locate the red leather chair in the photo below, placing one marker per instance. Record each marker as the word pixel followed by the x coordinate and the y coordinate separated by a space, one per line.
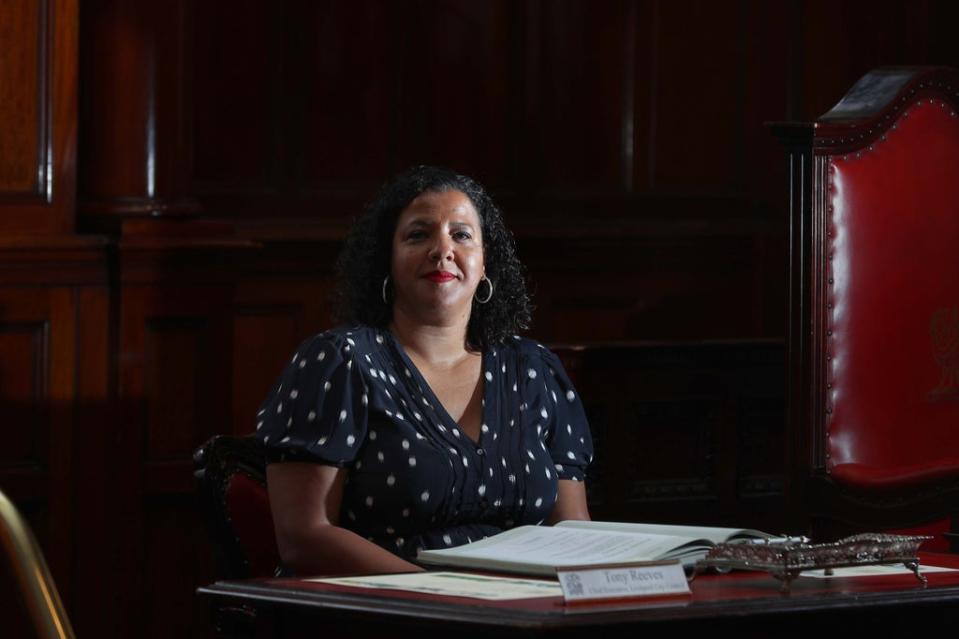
pixel 232 482
pixel 873 335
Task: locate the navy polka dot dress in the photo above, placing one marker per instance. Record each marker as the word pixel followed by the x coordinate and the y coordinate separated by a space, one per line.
pixel 352 398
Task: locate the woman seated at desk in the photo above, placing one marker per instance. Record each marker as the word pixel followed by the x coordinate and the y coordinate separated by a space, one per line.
pixel 427 423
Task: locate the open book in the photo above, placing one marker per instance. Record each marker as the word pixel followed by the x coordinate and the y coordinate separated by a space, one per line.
pixel 539 550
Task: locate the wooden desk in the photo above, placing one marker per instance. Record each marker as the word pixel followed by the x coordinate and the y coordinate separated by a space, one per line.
pixel 749 604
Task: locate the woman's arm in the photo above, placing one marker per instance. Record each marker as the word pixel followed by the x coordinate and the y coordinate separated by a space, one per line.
pixel 570 503
pixel 305 501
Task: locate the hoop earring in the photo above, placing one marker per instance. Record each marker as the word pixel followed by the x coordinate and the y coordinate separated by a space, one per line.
pixel 488 297
pixel 386 281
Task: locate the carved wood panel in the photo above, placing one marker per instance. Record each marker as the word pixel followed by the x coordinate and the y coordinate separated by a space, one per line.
pixel 37 385
pixel 38 111
pixel 272 318
pixel 24 375
pixel 609 287
pixel 96 522
pixel 24 78
pixel 668 427
pixel 175 378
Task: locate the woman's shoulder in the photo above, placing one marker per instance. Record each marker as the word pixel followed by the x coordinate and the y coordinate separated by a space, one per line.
pixel 349 340
pixel 541 365
pixel 526 348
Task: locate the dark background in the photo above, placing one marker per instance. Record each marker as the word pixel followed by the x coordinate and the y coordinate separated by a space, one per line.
pixel 176 175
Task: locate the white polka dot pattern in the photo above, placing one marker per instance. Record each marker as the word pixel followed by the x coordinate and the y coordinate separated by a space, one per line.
pixel 414 478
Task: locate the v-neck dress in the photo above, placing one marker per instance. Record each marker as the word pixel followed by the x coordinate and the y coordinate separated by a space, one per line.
pixel 352 398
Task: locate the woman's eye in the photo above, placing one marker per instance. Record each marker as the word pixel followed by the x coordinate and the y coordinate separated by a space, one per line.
pixel 462 235
pixel 415 235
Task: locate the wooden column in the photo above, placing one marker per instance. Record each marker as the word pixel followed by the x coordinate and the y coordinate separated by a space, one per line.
pixel 135 129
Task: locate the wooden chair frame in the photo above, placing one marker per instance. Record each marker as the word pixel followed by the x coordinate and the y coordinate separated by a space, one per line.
pixel 216 463
pixel 862 118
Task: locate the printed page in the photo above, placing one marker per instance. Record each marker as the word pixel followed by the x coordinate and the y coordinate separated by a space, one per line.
pixel 454 584
pixel 552 546
pixel 711 533
pixel 871 571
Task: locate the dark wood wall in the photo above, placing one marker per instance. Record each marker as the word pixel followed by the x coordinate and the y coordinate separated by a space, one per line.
pixel 175 177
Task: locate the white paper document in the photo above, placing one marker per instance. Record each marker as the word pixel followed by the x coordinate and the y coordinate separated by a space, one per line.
pixel 540 550
pixel 454 584
pixel 871 571
pixel 567 546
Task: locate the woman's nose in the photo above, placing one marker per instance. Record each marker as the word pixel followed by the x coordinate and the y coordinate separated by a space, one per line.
pixel 442 249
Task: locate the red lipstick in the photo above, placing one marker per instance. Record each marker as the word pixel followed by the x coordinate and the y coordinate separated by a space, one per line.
pixel 440 276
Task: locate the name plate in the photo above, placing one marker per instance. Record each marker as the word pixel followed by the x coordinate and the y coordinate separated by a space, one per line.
pixel 616 581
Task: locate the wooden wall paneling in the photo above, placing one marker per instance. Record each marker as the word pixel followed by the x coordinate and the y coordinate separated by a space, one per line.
pixel 750 450
pixel 263 335
pixel 283 296
pixel 455 102
pixel 667 413
pixel 94 508
pixel 179 375
pixel 24 380
pixel 24 458
pixel 272 318
pixel 767 95
pixel 37 263
pixel 37 373
pixel 770 255
pixel 647 286
pixel 332 98
pixel 61 404
pixel 941 47
pixel 24 78
pixel 640 67
pixel 341 125
pixel 389 86
pixel 175 376
pixel 53 392
pixel 699 65
pixel 38 96
pixel 116 101
pixel 178 561
pixel 238 81
pixel 172 136
pixel 136 145
pixel 828 28
pixel 313 89
pixel 842 42
pixel 770 71
pixel 666 418
pixel 576 93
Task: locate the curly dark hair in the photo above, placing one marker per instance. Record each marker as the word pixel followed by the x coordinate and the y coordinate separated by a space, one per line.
pixel 367 256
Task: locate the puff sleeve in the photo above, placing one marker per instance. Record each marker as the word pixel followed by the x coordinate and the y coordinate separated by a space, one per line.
pixel 568 437
pixel 316 412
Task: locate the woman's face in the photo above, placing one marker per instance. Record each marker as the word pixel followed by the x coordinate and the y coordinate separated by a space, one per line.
pixel 437 256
